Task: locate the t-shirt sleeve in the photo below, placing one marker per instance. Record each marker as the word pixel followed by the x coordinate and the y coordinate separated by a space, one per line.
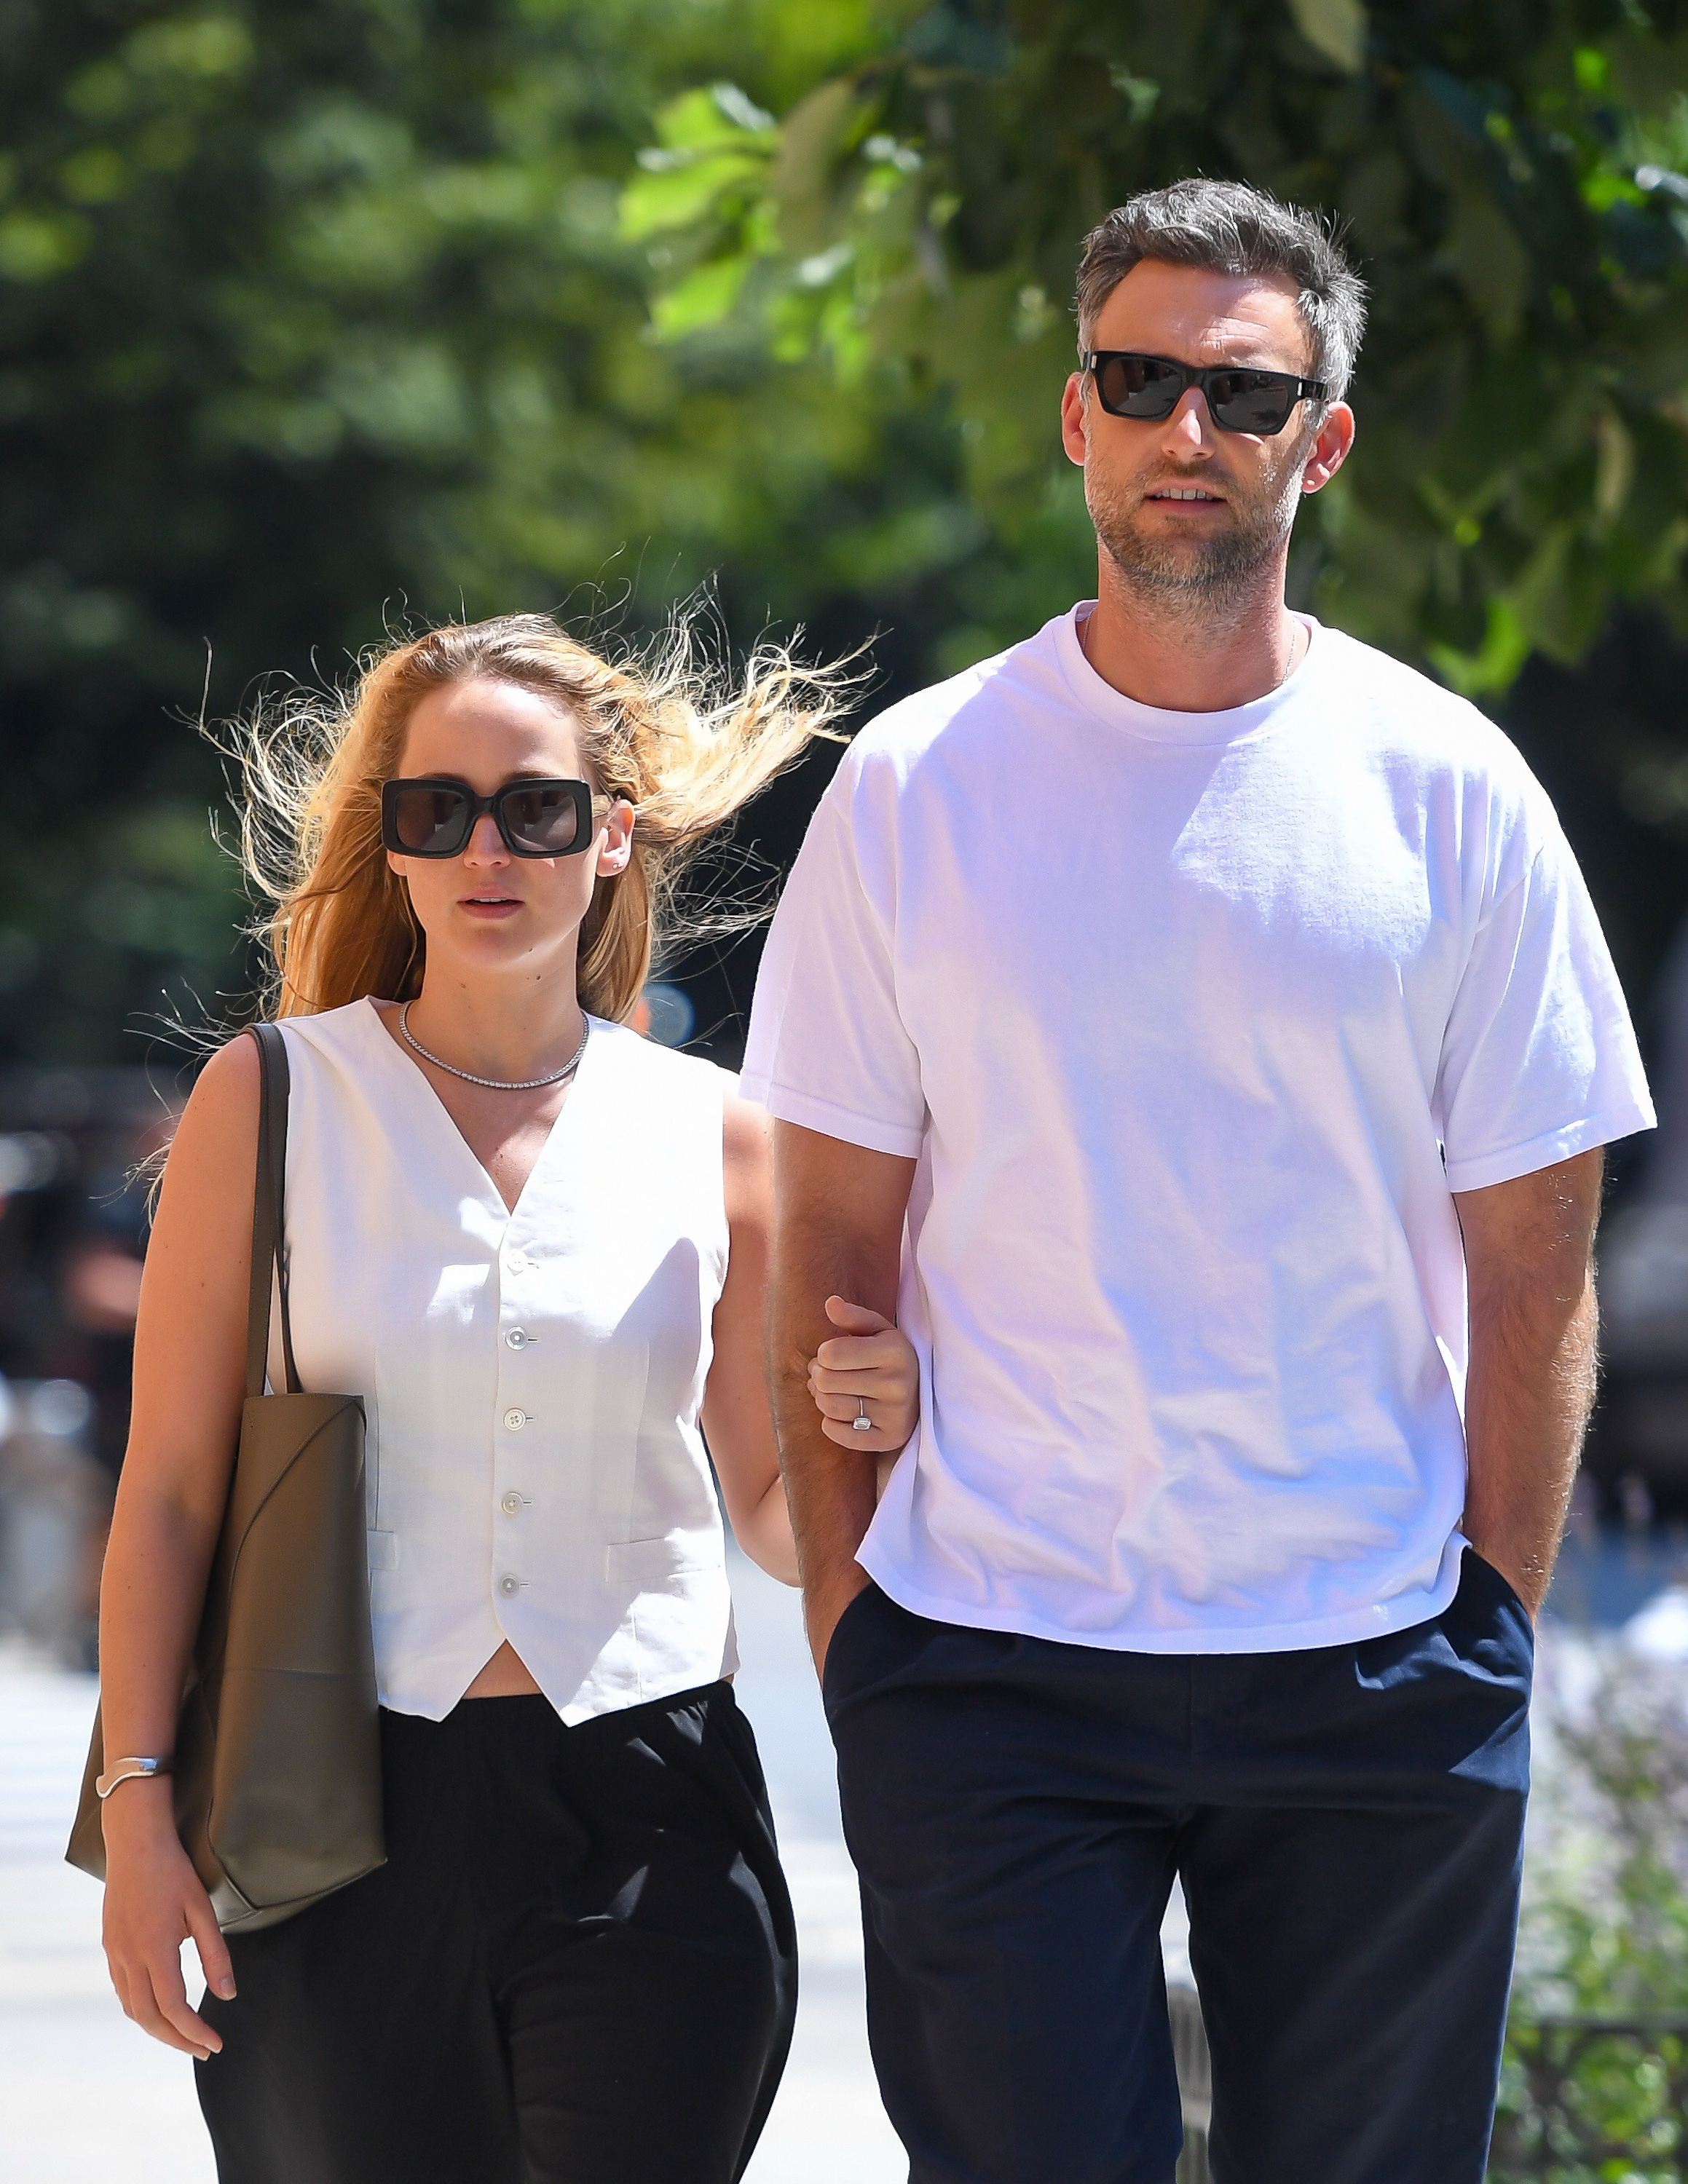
pixel 828 1048
pixel 1539 1060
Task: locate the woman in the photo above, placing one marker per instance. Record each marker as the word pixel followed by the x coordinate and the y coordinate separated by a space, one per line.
pixel 535 1245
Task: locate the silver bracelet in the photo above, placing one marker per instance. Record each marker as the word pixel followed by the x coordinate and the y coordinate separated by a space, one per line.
pixel 131 1770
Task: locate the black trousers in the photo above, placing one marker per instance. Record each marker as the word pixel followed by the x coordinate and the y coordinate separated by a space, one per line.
pixel 1348 1825
pixel 578 1966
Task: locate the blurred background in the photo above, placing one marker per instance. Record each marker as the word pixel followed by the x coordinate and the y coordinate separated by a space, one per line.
pixel 321 319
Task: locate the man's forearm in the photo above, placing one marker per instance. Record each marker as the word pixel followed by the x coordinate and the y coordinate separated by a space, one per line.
pixel 830 1494
pixel 1530 1393
pixel 1530 1384
pixel 829 1490
pixel 838 1224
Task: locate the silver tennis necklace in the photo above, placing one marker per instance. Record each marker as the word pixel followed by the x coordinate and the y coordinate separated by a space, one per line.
pixel 494 1083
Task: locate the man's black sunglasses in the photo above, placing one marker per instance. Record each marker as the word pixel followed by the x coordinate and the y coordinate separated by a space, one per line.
pixel 1239 399
pixel 429 818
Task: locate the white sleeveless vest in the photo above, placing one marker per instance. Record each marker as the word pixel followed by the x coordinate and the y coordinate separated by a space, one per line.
pixel 532 1380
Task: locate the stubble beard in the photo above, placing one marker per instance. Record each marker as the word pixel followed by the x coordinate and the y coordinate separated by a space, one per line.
pixel 1198 578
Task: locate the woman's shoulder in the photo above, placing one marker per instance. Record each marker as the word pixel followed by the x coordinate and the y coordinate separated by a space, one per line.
pixel 226 1092
pixel 217 1130
pixel 332 1030
pixel 228 1078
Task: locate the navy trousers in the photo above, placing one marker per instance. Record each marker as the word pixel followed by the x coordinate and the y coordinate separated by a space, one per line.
pixel 1347 1823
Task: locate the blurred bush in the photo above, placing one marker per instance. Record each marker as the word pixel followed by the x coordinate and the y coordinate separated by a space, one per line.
pixel 1599 2102
pixel 1595 2084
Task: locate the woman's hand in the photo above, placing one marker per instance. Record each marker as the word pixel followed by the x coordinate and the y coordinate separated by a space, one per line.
pixel 153 1903
pixel 868 1368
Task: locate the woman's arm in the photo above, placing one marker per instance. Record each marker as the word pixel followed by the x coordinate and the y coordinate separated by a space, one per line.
pixel 190 1356
pixel 737 1419
pixel 737 1423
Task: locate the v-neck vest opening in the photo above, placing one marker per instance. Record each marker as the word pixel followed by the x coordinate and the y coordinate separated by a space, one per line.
pixel 533 1376
pixel 571 1104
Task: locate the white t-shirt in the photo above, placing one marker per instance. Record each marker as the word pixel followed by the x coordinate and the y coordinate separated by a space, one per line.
pixel 1195 1022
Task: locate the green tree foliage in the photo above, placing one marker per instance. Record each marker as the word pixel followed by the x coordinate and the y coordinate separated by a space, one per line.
pixel 1512 174
pixel 315 313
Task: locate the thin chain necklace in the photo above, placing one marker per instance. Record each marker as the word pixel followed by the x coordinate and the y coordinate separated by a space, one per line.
pixel 494 1083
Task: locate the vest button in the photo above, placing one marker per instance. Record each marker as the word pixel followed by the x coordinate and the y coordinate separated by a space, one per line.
pixel 511 1504
pixel 510 1586
pixel 517 1339
pixel 514 1420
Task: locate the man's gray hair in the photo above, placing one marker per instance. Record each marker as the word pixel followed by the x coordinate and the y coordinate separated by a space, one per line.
pixel 1230 227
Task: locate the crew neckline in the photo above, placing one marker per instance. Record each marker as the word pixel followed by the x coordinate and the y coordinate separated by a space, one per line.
pixel 1151 723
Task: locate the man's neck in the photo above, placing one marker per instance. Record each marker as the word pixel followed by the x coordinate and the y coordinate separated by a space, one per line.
pixel 1183 658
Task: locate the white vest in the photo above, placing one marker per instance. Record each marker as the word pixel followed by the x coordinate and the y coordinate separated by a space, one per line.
pixel 532 1380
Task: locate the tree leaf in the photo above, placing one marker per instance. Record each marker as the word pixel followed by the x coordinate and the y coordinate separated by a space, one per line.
pixel 1336 27
pixel 680 196
pixel 813 136
pixel 703 298
pixel 1492 263
pixel 707 120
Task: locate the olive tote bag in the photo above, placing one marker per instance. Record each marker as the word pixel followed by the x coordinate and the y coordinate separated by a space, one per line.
pixel 278 1769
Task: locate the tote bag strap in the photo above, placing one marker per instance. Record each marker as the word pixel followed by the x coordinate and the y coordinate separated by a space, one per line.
pixel 269 1256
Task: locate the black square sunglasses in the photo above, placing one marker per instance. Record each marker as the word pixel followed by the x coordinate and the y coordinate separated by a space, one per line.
pixel 1239 400
pixel 427 818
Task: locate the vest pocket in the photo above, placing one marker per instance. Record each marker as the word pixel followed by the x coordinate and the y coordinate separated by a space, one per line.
pixel 650 1562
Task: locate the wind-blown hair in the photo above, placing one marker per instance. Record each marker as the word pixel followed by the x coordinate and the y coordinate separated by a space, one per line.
pixel 1231 227
pixel 660 728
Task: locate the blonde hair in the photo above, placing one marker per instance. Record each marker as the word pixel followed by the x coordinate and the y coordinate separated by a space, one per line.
pixel 660 728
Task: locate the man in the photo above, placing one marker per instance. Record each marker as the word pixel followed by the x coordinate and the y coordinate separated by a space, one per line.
pixel 1151 1012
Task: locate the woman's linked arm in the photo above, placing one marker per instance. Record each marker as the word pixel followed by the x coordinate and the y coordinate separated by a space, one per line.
pixel 867 1361
pixel 190 1350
